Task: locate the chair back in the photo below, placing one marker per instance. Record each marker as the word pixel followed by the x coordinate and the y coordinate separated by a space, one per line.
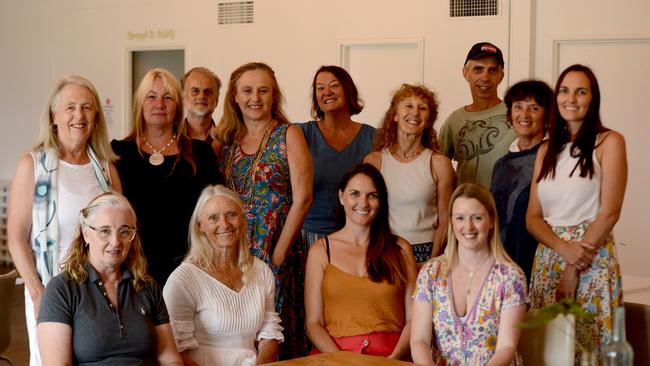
pixel 637 329
pixel 550 344
pixel 7 285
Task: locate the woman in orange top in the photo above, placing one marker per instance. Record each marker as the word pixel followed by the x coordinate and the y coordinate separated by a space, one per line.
pixel 359 279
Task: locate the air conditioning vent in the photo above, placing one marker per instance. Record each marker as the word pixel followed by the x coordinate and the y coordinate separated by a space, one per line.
pixel 473 8
pixel 236 12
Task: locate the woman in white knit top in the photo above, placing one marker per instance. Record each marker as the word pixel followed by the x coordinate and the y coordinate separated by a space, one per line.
pixel 220 299
pixel 420 180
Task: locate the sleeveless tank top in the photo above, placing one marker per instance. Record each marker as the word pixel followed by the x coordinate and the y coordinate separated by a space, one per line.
pixel 354 305
pixel 77 186
pixel 569 201
pixel 412 201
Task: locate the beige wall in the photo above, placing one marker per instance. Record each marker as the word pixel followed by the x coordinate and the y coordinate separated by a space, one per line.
pixel 44 39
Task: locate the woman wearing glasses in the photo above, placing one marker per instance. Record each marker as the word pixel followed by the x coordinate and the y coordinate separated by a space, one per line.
pixel 104 308
pixel 419 179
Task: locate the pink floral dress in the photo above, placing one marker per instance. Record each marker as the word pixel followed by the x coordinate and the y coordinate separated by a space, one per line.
pixel 471 341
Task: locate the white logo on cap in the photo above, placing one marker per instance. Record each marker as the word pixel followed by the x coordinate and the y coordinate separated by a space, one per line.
pixel 488 48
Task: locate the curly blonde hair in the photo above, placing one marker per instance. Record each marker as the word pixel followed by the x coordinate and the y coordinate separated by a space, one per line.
pixel 387 135
pixel 75 262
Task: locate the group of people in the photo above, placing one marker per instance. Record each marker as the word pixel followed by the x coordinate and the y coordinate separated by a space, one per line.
pixel 252 239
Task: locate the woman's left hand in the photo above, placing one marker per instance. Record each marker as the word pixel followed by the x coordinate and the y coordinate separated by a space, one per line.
pixel 568 284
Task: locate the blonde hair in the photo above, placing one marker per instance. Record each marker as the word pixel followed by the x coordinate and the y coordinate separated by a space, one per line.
pixel 231 127
pixel 201 252
pixel 75 262
pixel 484 197
pixel 47 137
pixel 180 127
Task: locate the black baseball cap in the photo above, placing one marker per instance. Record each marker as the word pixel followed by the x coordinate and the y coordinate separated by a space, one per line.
pixel 485 49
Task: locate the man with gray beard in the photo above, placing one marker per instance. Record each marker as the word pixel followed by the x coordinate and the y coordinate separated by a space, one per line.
pixel 200 96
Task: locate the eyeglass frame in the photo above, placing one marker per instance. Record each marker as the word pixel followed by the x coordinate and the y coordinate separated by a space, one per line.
pixel 133 230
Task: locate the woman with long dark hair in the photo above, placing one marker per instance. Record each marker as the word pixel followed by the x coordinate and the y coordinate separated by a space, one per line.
pixel 359 279
pixel 575 200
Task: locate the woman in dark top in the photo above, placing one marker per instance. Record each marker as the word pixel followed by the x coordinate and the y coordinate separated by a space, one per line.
pixel 163 171
pixel 103 309
pixel 529 104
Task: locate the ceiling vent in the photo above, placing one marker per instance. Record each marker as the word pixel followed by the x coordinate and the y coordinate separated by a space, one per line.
pixel 473 8
pixel 236 12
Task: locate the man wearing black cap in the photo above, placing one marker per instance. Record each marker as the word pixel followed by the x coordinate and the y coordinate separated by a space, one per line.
pixel 477 135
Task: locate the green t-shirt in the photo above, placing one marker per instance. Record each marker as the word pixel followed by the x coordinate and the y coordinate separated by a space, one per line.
pixel 476 140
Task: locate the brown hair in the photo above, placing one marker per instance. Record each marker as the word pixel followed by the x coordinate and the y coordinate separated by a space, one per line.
pixel 353 101
pixel 387 134
pixel 231 127
pixel 384 258
pixel 558 134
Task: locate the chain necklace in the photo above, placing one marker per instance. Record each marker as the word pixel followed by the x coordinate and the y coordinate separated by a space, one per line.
pixel 157 157
pixel 248 176
pixel 470 274
pixel 406 157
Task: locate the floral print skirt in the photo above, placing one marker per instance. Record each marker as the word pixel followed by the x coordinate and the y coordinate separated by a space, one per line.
pixel 599 287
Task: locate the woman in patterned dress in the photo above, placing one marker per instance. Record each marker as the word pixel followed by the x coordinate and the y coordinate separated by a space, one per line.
pixel 266 161
pixel 468 300
pixel 575 200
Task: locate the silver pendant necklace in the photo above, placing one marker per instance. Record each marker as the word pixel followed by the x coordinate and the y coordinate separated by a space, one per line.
pixel 157 157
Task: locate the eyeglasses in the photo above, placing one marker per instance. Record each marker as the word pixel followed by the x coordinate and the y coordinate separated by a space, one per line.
pixel 125 233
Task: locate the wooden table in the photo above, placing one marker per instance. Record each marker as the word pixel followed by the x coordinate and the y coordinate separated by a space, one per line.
pixel 340 358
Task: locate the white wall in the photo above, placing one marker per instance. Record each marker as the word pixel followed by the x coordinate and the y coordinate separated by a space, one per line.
pixel 44 39
pixel 49 38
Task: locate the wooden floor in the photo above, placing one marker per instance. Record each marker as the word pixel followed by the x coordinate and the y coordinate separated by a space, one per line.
pixel 18 350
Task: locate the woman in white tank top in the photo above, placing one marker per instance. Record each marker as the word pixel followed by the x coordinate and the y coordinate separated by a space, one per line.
pixel 575 200
pixel 419 179
pixel 70 164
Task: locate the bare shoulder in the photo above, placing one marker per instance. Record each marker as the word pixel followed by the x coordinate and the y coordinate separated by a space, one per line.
pixel 294 134
pixel 374 159
pixel 610 140
pixel 440 161
pixel 317 250
pixel 25 168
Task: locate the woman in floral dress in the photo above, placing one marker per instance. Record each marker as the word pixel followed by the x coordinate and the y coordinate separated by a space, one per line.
pixel 575 199
pixel 468 300
pixel 266 161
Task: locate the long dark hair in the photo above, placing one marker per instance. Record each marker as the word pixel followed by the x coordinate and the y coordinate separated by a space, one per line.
pixel 354 102
pixel 584 144
pixel 384 259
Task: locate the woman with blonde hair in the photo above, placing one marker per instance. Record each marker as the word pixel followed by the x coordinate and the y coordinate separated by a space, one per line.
pixel 468 300
pixel 220 298
pixel 71 163
pixel 419 179
pixel 266 161
pixel 163 171
pixel 104 308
